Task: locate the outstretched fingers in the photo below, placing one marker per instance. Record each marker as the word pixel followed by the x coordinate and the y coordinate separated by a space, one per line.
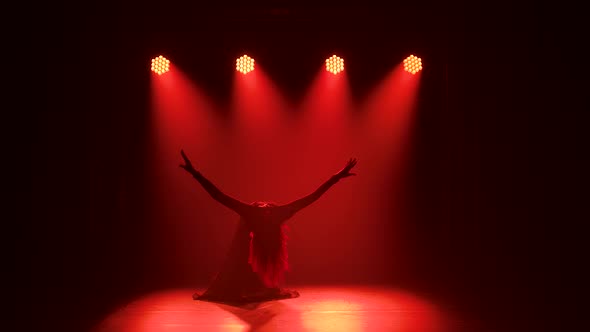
pixel 187 163
pixel 183 155
pixel 351 163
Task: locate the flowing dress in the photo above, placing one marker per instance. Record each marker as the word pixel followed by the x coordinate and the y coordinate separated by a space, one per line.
pixel 257 258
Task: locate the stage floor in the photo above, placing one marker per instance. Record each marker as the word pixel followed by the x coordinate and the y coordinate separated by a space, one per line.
pixel 340 308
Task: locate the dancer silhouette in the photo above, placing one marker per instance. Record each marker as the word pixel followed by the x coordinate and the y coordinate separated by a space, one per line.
pixel 257 257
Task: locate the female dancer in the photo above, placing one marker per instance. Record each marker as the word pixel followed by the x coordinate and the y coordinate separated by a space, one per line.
pixel 257 258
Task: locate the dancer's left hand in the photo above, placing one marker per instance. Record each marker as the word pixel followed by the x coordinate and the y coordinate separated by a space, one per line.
pixel 345 172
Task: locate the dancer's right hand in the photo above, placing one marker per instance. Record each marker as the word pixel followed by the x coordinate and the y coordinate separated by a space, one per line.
pixel 188 166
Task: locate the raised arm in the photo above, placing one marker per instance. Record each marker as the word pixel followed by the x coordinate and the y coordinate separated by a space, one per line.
pixel 299 204
pixel 232 203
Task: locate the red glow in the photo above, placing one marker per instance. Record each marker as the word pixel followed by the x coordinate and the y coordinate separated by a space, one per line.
pixel 327 106
pixel 385 124
pixel 318 309
pixel 261 136
pixel 182 113
pixel 412 64
pixel 182 117
pixel 334 64
pixel 160 65
pixel 324 120
pixel 244 64
pixel 269 153
pixel 324 140
pixel 388 110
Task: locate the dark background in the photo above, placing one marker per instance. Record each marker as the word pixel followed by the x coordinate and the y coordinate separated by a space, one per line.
pixel 495 182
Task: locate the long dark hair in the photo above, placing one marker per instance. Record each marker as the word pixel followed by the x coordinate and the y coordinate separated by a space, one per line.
pixel 268 249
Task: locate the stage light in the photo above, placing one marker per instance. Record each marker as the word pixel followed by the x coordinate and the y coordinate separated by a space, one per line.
pixel 160 65
pixel 334 64
pixel 412 64
pixel 244 64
